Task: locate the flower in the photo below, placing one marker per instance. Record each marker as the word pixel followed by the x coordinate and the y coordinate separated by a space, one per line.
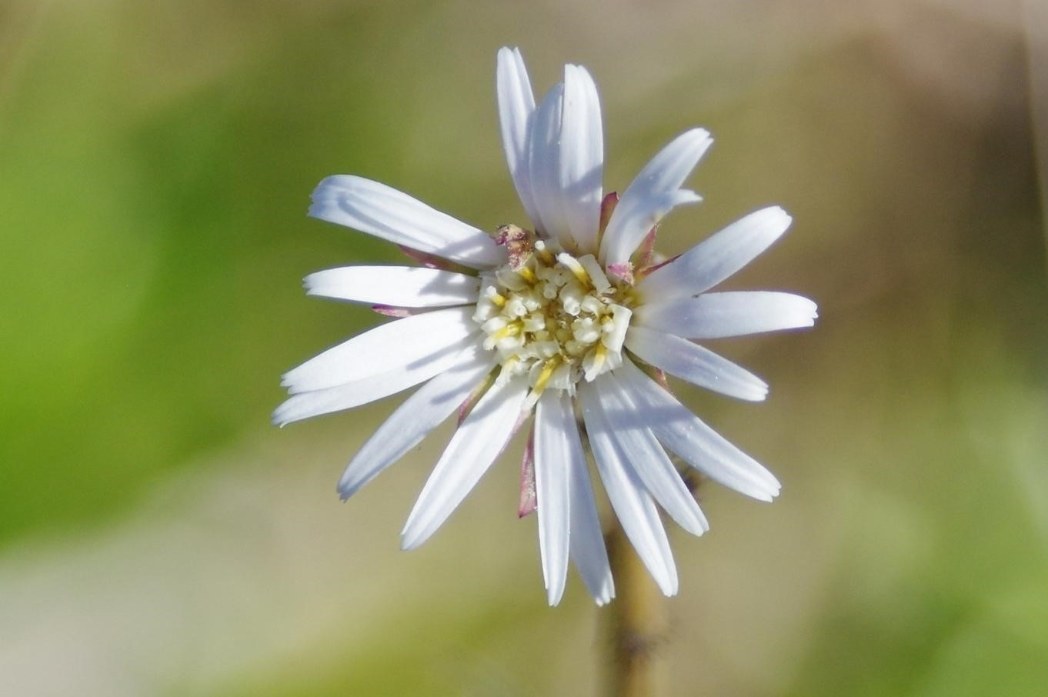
pixel 572 320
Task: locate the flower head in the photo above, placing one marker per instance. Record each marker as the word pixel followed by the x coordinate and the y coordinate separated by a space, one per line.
pixel 569 319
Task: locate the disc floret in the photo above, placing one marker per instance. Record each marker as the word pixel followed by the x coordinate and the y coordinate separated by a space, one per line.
pixel 554 317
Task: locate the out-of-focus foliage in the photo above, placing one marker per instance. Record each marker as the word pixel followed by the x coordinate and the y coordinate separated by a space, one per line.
pixel 157 537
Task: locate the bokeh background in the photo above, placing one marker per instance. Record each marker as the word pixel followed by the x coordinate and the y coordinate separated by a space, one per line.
pixel 159 537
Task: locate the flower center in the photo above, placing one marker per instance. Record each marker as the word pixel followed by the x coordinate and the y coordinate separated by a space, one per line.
pixel 553 317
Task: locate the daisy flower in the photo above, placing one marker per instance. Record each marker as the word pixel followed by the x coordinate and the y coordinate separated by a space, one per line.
pixel 570 319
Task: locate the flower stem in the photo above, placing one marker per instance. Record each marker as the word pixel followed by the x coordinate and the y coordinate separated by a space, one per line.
pixel 638 622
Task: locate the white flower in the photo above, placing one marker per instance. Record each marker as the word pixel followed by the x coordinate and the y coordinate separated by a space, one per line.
pixel 569 319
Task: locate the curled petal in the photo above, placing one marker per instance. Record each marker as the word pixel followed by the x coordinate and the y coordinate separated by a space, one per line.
pixel 394 216
pixel 653 194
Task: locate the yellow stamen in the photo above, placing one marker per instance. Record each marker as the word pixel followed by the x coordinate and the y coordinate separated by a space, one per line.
pixel 511 329
pixel 575 267
pixel 552 317
pixel 545 374
pixel 600 355
pixel 527 274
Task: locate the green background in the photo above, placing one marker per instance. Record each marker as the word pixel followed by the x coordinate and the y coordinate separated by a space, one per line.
pixel 159 537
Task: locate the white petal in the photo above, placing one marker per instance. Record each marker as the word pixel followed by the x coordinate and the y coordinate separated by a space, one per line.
pixel 696 364
pixel 582 158
pixel 642 453
pixel 396 286
pixel 382 211
pixel 552 486
pixel 544 166
pixel 587 538
pixel 653 194
pixel 516 104
pixel 718 315
pixel 475 445
pixel 370 388
pixel 398 345
pixel 695 442
pixel 415 418
pixel 718 257
pixel 633 505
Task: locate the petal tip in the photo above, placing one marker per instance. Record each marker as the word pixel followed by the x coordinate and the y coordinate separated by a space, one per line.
pixel 409 540
pixel 346 489
pixel 699 138
pixel 781 215
pixel 281 416
pixel 771 493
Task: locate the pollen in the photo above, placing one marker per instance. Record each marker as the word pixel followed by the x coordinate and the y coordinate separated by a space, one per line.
pixel 552 317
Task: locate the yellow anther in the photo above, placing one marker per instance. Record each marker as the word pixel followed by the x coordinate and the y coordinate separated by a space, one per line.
pixel 511 329
pixel 527 274
pixel 602 355
pixel 575 267
pixel 546 374
pixel 593 362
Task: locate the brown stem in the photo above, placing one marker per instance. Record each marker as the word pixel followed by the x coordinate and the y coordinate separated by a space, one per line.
pixel 638 622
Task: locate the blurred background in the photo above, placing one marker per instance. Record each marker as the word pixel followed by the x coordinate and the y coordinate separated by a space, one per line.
pixel 159 537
